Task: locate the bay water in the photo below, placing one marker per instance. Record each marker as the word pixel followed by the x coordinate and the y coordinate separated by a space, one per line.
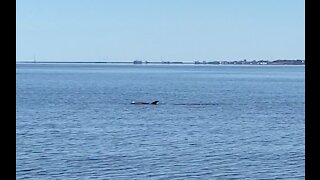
pixel 76 121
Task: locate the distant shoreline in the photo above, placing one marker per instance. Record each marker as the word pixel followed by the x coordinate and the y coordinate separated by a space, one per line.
pixel 244 62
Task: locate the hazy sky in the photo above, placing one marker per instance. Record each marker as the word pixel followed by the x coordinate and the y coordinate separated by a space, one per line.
pixel 184 30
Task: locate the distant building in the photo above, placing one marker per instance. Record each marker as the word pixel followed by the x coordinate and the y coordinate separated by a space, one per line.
pixel 262 62
pixel 137 62
pixel 214 62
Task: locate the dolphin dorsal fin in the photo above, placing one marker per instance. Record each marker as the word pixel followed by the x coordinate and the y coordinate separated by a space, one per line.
pixel 155 102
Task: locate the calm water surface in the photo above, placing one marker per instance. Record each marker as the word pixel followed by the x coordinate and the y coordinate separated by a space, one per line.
pixel 75 121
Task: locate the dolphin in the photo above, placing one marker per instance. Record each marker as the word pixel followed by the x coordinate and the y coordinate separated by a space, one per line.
pixel 153 103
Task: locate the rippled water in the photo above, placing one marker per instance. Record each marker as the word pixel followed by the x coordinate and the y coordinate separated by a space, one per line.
pixel 75 121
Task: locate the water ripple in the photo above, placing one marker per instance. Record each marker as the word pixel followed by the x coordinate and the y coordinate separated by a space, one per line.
pixel 78 124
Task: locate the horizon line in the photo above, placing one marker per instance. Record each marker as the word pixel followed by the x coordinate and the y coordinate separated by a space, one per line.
pixel 95 61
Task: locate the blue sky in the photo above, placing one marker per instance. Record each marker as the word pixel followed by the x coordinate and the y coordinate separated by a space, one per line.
pixel 176 30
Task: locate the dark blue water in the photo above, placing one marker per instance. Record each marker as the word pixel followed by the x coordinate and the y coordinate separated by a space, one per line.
pixel 75 121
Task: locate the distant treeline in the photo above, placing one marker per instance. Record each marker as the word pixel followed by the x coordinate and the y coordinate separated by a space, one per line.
pixel 254 62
